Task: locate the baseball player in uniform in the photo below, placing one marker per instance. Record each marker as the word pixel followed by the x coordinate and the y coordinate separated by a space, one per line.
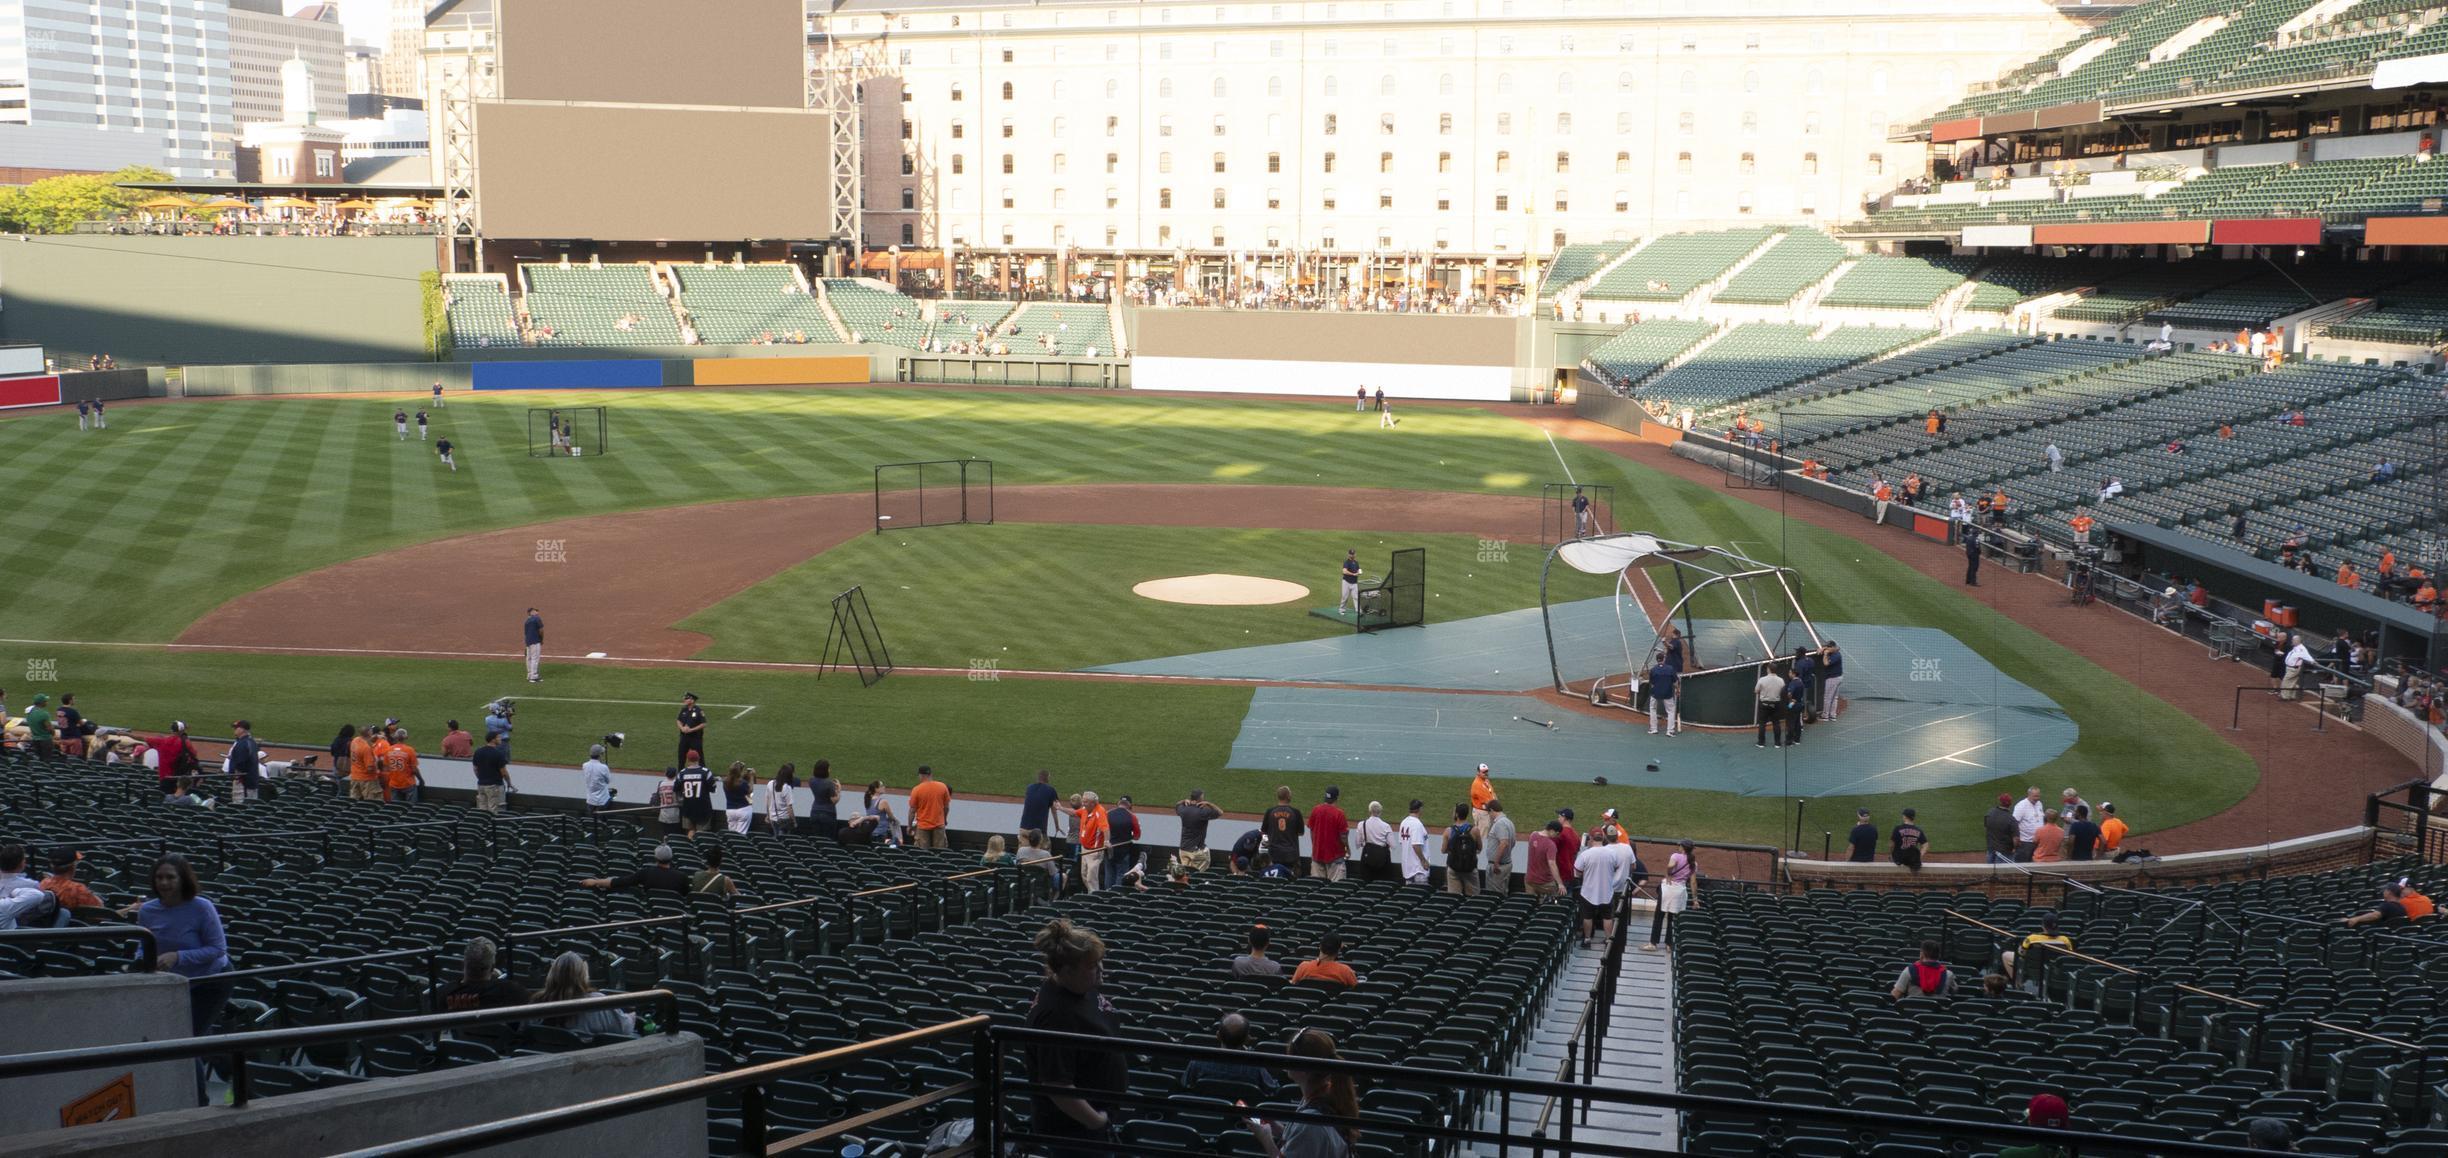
pixel 437 391
pixel 84 415
pixel 100 423
pixel 1581 514
pixel 422 420
pixel 1351 582
pixel 443 447
pixel 399 419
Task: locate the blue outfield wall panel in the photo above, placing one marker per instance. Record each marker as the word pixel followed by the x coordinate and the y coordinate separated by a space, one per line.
pixel 627 373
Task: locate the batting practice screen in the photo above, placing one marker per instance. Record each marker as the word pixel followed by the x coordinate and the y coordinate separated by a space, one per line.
pixel 933 494
pixel 568 431
pixel 1401 599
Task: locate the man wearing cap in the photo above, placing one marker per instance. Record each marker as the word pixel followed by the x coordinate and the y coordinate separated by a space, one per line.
pixel 245 763
pixel 533 633
pixel 692 724
pixel 1351 583
pixel 2046 1112
pixel 657 877
pixel 2112 830
pixel 1499 845
pixel 364 768
pixel 38 728
pixel 1480 793
pixel 1327 830
pixel 598 780
pixel 1863 840
pixel 1568 848
pixel 1545 877
pixel 174 760
pixel 1662 681
pixel 1999 828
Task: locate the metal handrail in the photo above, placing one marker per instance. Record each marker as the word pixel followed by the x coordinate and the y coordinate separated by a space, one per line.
pixel 152 947
pixel 688 943
pixel 428 953
pixel 237 1045
pixel 749 1082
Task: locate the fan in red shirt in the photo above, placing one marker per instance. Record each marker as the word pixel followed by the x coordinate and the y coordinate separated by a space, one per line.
pixel 1566 847
pixel 175 759
pixel 1327 830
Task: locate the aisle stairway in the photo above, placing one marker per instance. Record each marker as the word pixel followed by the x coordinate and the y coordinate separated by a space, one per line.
pixel 1639 1050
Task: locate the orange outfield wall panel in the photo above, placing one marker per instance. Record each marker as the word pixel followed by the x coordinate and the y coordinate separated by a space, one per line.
pixel 1957 130
pixel 780 371
pixel 2124 233
pixel 2273 231
pixel 1928 527
pixel 1660 433
pixel 2406 231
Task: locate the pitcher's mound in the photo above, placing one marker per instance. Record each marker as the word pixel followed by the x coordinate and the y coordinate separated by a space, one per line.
pixel 1221 590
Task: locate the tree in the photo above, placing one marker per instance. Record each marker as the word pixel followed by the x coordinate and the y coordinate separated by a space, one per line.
pixel 56 204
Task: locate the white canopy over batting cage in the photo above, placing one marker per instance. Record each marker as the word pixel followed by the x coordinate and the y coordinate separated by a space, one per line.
pixel 1734 614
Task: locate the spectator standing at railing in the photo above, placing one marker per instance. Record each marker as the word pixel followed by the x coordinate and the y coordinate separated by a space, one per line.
pixel 782 800
pixel 2297 662
pixel 188 941
pixel 930 804
pixel 175 760
pixel 598 777
pixel 1329 837
pixel 401 777
pixel 245 763
pixel 1863 840
pixel 2112 829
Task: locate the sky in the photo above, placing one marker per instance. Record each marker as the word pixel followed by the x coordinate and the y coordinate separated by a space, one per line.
pixel 367 21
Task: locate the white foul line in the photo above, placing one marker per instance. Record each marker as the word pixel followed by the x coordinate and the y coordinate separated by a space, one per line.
pixel 1559 453
pixel 744 709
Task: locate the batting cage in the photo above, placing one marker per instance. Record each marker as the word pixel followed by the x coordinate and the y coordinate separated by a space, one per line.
pixel 1726 618
pixel 934 494
pixel 1575 511
pixel 1401 598
pixel 568 431
pixel 854 640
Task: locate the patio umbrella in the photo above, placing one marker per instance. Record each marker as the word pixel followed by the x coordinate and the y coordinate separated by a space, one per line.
pixel 166 202
pixel 223 203
pixel 355 204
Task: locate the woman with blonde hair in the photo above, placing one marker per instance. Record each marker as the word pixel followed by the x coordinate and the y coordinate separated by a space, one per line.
pixel 567 981
pixel 995 855
pixel 1069 1001
pixel 1320 1093
pixel 739 796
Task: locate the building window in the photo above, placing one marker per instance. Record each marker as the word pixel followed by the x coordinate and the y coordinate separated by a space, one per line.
pixel 1747 165
pixel 1810 124
pixel 1058 198
pixel 1007 90
pixel 1007 59
pixel 1164 198
pixel 1219 198
pixel 1385 125
pixel 1061 161
pixel 1683 163
pixel 1333 86
pixel 1215 236
pixel 1742 201
pixel 1814 83
pixel 1444 124
pixel 1623 162
pixel 1007 162
pixel 1219 162
pixel 1878 164
pixel 1504 202
pixel 1624 82
pixel 1750 123
pixel 1444 200
pixel 1219 124
pixel 1329 165
pixel 1623 122
pixel 909 233
pixel 1113 126
pixel 1504 84
pixel 1164 235
pixel 1750 80
pixel 909 165
pixel 1445 84
pixel 1562 202
pixel 1007 128
pixel 1330 124
pixel 958 164
pixel 1688 83
pixel 1113 88
pixel 1327 199
pixel 1219 88
pixel 909 199
pixel 1444 162
pixel 1385 162
pixel 1164 88
pixel 1274 162
pixel 1810 164
pixel 1007 197
pixel 1059 126
pixel 1274 198
pixel 1058 90
pixel 959 130
pixel 1564 84
pixel 956 91
pixel 1385 199
pixel 1504 124
pixel 1385 85
pixel 1623 201
pixel 906 130
pixel 1563 124
pixel 1113 198
pixel 1164 125
pixel 1164 162
pixel 1563 162
pixel 1274 86
pixel 1504 162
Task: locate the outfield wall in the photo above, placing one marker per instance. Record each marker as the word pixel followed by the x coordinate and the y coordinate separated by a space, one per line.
pixel 197 299
pixel 1332 354
pixel 562 370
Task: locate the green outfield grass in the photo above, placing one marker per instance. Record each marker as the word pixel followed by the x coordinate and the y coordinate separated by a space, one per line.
pixel 139 530
pixel 1053 597
pixel 133 534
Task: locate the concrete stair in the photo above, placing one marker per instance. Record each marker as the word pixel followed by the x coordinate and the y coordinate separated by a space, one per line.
pixel 1639 1053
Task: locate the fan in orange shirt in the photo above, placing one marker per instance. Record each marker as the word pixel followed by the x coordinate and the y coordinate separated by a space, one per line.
pixel 2346 576
pixel 399 766
pixel 2417 906
pixel 364 783
pixel 1327 966
pixel 2082 522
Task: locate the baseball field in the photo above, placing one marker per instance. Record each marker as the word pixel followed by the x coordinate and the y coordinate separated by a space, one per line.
pixel 292 561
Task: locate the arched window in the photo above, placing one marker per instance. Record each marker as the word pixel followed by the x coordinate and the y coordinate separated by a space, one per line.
pixel 1385 85
pixel 1688 83
pixel 1445 84
pixel 1750 80
pixel 1220 88
pixel 1332 86
pixel 1563 123
pixel 1164 88
pixel 1504 84
pixel 1624 82
pixel 1564 84
pixel 1007 90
